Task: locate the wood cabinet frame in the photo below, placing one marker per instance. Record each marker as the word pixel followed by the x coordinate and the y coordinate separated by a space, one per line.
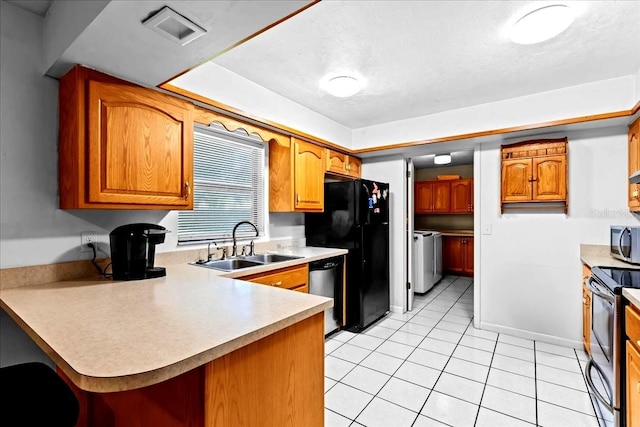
pixel 148 164
pixel 534 175
pixel 634 164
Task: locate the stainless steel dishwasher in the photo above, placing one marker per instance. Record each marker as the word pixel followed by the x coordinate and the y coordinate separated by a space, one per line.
pixel 326 278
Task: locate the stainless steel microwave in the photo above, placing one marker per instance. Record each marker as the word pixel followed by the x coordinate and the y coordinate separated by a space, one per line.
pixel 625 243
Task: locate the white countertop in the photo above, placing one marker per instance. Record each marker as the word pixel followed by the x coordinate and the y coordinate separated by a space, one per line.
pixel 599 256
pixel 111 336
pixel 633 295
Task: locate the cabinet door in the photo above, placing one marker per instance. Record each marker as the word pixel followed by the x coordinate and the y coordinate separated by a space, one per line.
pixel 309 167
pixel 140 147
pixel 634 164
pixel 633 385
pixel 422 197
pixel 550 178
pixel 462 196
pixel 336 162
pixel 468 255
pixel 441 201
pixel 354 167
pixel 452 254
pixel 516 180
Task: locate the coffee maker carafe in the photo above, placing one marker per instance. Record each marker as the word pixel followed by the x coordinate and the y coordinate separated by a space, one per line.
pixel 133 249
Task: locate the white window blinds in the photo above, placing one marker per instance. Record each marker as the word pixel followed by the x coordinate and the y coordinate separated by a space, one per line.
pixel 228 185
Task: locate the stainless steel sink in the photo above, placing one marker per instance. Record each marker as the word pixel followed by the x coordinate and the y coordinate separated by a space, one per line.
pixel 270 258
pixel 238 263
pixel 228 264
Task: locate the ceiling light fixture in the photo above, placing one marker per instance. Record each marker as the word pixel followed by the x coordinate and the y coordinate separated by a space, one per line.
pixel 442 159
pixel 542 24
pixel 342 86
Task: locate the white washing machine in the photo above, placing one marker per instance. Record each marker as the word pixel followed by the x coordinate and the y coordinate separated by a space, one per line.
pixel 427 260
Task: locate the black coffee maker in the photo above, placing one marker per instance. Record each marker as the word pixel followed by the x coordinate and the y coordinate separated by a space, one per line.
pixel 133 249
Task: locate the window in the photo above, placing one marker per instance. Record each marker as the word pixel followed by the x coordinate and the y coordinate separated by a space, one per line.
pixel 228 185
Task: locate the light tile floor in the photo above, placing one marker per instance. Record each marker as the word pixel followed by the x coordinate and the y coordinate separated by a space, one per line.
pixel 431 367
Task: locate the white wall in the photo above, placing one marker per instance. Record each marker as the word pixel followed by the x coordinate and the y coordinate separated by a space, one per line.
pixel 392 171
pixel 638 85
pixel 530 269
pixel 219 84
pixel 593 98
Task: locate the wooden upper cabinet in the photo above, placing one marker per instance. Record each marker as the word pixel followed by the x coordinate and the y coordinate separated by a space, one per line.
pixel 422 197
pixel 516 180
pixel 341 164
pixel 354 167
pixel 549 178
pixel 309 171
pixel 123 146
pixel 462 196
pixel 535 172
pixel 336 162
pixel 634 164
pixel 432 197
pixel 296 176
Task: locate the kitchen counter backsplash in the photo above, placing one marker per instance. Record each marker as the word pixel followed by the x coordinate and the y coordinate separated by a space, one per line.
pixel 82 269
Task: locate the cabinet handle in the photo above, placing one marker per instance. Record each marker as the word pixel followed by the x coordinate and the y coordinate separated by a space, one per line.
pixel 186 185
pixel 297 197
pixel 277 283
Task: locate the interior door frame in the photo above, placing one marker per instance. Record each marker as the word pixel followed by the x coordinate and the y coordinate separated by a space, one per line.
pixel 409 173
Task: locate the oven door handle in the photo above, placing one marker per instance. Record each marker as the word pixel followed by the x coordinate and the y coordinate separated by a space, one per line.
pixel 592 386
pixel 597 293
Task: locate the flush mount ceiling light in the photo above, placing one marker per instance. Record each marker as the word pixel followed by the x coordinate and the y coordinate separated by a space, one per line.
pixel 442 159
pixel 170 24
pixel 342 86
pixel 542 24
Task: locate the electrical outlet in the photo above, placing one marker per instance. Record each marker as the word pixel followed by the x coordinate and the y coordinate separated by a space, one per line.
pixel 87 237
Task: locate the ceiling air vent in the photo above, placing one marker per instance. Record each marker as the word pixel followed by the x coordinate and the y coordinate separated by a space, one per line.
pixel 174 26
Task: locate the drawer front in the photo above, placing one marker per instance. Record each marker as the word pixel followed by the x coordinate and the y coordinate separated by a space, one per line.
pixel 287 278
pixel 632 320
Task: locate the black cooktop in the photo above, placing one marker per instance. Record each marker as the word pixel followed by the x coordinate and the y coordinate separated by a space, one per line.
pixel 617 278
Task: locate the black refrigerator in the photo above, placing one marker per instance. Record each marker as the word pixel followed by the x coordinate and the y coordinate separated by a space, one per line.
pixel 356 217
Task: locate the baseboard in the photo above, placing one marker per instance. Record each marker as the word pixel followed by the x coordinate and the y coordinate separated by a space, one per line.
pixel 396 309
pixel 520 333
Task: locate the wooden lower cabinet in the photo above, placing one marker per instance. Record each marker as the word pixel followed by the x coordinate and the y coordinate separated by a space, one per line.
pixel 457 255
pixel 276 381
pixel 294 278
pixel 586 309
pixel 632 321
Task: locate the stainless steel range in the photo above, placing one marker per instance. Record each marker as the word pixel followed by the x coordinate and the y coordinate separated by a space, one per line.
pixel 605 371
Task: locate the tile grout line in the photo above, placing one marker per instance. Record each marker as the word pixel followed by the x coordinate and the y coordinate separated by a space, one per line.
pixel 591 398
pixel 450 356
pixel 535 379
pixel 486 380
pixel 405 359
pixel 392 375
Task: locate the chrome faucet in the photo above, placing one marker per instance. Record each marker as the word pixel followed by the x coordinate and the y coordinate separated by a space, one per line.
pixel 209 256
pixel 234 250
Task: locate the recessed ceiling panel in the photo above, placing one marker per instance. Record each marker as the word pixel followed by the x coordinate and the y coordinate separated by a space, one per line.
pixel 422 57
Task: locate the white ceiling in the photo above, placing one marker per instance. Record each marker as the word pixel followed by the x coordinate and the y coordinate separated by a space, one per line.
pixel 422 57
pixel 457 158
pixel 117 43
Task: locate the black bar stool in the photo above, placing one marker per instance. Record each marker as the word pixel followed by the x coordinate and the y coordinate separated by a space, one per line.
pixel 34 395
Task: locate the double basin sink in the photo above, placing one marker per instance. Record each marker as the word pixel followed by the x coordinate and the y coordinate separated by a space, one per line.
pixel 237 263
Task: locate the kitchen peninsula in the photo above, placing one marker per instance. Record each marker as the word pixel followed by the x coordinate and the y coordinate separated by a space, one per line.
pixel 192 348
